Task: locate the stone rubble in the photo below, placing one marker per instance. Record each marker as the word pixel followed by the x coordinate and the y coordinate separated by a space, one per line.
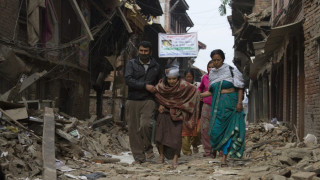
pixel 77 146
pixel 270 155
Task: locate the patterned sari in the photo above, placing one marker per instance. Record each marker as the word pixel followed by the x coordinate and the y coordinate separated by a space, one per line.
pixel 227 126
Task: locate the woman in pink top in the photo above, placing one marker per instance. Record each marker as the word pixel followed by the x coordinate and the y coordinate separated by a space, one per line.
pixel 205 113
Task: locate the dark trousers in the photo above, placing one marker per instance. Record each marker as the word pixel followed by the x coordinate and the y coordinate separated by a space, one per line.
pixel 139 118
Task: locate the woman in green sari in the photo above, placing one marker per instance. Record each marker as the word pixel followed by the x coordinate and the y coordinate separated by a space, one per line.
pixel 227 126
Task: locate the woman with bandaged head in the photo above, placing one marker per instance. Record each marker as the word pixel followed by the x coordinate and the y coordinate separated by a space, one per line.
pixel 179 101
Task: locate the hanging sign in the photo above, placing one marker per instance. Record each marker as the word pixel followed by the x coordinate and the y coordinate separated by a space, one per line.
pixel 178 45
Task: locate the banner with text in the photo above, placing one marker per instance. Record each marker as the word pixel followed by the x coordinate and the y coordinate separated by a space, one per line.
pixel 178 45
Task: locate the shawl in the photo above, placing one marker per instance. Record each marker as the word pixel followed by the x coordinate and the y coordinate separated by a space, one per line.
pixel 223 73
pixel 182 100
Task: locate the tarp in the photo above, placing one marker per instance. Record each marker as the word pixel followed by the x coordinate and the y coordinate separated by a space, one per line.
pixel 178 45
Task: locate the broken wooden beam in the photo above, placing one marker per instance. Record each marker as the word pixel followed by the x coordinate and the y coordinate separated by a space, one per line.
pixel 124 20
pixel 31 79
pixel 68 127
pixel 101 122
pixel 67 136
pixel 48 146
pixel 82 20
pixel 92 118
pixel 65 115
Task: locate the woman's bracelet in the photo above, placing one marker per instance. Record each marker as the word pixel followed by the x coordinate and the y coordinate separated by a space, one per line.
pixel 239 102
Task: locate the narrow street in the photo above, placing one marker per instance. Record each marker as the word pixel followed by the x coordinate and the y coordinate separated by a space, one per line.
pixel 273 154
pixel 269 155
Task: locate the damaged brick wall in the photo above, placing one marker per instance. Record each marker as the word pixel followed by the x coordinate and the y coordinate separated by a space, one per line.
pixel 8 16
pixel 312 87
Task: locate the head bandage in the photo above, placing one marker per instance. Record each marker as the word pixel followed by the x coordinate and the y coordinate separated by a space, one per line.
pixel 172 72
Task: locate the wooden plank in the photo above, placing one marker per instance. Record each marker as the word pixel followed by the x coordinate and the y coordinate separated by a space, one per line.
pixel 65 115
pixel 31 79
pixel 48 146
pixel 78 12
pixel 124 20
pixel 35 119
pixel 92 118
pixel 101 122
pixel 18 113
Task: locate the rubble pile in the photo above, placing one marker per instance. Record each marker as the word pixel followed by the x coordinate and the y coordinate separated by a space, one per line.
pixel 277 153
pixel 77 144
pixel 261 139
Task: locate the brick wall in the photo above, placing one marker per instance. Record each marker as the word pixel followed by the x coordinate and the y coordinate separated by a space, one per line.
pixel 261 5
pixel 311 28
pixel 71 93
pixel 81 99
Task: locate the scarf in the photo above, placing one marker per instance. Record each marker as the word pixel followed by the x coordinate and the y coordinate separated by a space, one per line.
pixel 182 100
pixel 224 73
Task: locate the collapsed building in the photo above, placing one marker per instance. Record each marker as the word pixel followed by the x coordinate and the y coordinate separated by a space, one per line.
pixel 276 48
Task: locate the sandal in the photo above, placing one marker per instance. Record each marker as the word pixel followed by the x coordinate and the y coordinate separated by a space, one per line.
pixel 160 160
pixel 174 165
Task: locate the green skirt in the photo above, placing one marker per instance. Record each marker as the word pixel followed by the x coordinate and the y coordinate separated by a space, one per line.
pixel 225 122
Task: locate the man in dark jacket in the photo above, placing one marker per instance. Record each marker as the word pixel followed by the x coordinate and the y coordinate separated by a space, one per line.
pixel 141 75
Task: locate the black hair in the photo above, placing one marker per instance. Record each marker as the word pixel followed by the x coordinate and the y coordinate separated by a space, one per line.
pixel 189 71
pixel 219 52
pixel 165 80
pixel 210 62
pixel 145 44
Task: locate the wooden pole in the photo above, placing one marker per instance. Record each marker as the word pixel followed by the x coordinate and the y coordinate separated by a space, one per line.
pixel 78 12
pixel 124 20
pixel 48 146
